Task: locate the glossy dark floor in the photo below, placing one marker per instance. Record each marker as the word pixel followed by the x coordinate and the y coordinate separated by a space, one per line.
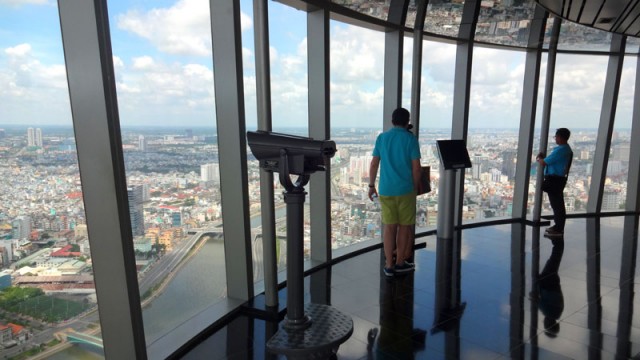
pixel 507 302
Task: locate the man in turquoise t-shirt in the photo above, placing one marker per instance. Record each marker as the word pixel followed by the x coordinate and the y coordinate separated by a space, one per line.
pixel 556 169
pixel 397 154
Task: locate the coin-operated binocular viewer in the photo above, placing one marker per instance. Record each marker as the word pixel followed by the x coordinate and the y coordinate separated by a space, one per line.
pixel 314 330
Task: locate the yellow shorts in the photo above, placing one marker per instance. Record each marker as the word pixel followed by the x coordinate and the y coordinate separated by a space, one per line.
pixel 398 209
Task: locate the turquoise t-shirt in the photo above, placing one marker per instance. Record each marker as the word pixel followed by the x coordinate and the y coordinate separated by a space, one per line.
pixel 558 161
pixel 396 148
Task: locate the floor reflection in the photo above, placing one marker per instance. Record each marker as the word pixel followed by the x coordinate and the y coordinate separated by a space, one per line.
pixel 502 291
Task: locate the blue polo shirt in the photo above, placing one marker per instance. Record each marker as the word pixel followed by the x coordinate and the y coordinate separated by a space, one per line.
pixel 396 149
pixel 558 161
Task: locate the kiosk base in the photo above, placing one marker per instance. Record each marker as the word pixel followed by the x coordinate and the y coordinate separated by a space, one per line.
pixel 329 328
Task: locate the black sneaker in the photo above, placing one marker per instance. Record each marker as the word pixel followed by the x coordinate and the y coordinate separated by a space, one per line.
pixel 388 272
pixel 403 268
pixel 550 229
pixel 408 263
pixel 554 233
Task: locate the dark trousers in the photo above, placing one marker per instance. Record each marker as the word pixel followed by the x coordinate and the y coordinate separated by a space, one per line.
pixel 555 190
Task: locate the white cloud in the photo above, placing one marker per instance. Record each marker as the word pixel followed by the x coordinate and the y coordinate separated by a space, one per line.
pixel 153 92
pixel 26 2
pixel 182 29
pixel 32 91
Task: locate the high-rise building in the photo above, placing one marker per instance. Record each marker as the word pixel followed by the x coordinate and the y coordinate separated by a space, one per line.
pixel 210 172
pixel 142 143
pixel 135 210
pixel 34 137
pixel 509 163
pixel 21 227
pixel 31 137
pixel 38 138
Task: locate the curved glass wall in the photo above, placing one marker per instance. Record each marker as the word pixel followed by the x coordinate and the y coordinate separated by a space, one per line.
pixel 444 17
pixel 577 102
pixel 576 37
pixel 505 23
pixel 436 111
pixel 357 68
pixel 494 119
pixel 615 187
pixel 166 102
pixel 374 8
pixel 46 274
pixel 164 78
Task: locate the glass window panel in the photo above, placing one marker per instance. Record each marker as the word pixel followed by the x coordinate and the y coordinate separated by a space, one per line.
pixel 436 112
pixel 615 188
pixel 357 67
pixel 374 8
pixel 536 134
pixel 494 118
pixel 46 277
pixel 579 37
pixel 505 23
pixel 288 30
pixel 166 100
pixel 577 101
pixel 411 14
pixel 633 45
pixel 444 17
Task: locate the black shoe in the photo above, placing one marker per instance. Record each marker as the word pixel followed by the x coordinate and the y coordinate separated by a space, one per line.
pixel 403 268
pixel 554 233
pixel 550 228
pixel 388 272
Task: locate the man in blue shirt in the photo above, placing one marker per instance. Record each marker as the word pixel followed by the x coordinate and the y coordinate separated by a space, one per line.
pixel 556 170
pixel 397 154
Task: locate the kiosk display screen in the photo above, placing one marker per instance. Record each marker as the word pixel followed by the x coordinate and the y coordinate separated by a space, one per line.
pixel 453 154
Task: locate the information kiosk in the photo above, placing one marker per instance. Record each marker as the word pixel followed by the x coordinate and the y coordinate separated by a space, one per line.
pixel 453 157
pixel 448 305
pixel 314 331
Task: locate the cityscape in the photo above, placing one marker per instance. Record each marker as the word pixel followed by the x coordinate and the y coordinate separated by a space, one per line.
pixel 174 193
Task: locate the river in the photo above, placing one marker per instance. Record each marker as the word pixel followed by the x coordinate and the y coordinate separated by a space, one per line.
pixel 201 280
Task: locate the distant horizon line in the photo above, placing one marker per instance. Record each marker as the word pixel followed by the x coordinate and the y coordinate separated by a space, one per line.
pixel 188 127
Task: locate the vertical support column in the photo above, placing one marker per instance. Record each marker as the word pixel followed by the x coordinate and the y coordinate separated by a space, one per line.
pixel 462 90
pixel 296 318
pixel 92 90
pixel 263 94
pixel 633 180
pixel 416 73
pixel 528 112
pixel 517 295
pixel 232 146
pixel 594 295
pixel 393 49
pixel 319 129
pixel 546 112
pixel 627 284
pixel 607 118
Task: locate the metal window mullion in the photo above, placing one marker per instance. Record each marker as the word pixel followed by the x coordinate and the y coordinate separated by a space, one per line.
pixel 318 42
pixel 393 45
pixel 92 90
pixel 632 202
pixel 416 73
pixel 546 112
pixel 462 91
pixel 232 146
pixel 528 112
pixel 267 206
pixel 607 118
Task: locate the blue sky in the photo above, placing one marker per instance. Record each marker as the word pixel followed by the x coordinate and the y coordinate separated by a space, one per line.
pixel 164 72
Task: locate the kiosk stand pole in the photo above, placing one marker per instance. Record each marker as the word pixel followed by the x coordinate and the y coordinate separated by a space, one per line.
pixel 446 206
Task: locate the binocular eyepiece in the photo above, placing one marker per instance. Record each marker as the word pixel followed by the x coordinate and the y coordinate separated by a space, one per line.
pixel 304 155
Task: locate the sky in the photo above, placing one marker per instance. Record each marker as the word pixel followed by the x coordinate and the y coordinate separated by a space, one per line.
pixel 164 71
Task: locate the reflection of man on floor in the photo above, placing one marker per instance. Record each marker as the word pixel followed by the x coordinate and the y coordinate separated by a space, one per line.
pixel 551 302
pixel 396 339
